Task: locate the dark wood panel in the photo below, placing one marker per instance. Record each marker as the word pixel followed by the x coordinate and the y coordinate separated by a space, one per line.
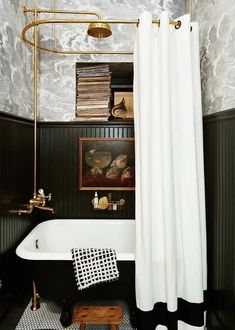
pixel 219 142
pixel 59 169
pixel 16 185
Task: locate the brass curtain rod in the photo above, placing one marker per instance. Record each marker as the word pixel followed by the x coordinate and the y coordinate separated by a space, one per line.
pixel 37 23
pixel 75 12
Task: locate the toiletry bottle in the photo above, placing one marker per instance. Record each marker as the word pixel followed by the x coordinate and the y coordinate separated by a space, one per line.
pixel 96 201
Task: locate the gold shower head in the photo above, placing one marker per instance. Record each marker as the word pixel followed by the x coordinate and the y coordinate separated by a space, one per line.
pixel 99 30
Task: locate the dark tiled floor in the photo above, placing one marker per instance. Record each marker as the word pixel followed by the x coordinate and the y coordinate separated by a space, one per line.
pixel 213 322
pixel 48 316
pixel 17 308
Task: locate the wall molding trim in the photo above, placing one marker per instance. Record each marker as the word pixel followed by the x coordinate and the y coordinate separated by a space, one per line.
pixel 112 123
pixel 73 123
pixel 219 116
pixel 13 118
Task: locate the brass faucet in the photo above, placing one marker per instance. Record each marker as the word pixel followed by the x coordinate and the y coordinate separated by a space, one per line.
pixel 38 201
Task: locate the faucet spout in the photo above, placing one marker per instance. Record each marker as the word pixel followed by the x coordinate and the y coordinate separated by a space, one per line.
pixel 38 201
pixel 45 208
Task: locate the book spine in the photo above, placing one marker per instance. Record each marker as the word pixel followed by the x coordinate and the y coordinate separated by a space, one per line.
pixel 94 79
pixel 92 119
pixel 92 112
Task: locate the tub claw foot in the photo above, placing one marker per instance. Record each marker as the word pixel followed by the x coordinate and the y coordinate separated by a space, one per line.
pixel 35 303
pixel 67 314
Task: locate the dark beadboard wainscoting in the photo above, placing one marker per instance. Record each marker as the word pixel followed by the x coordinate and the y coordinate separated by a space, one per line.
pixel 16 186
pixel 58 174
pixel 219 142
pixel 59 168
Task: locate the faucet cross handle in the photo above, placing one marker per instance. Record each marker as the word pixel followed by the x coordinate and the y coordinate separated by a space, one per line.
pixel 48 197
pixel 42 194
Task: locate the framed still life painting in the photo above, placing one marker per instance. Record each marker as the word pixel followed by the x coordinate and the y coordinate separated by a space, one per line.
pixel 106 164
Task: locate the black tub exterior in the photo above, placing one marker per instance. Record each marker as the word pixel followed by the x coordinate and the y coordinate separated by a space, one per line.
pixel 55 280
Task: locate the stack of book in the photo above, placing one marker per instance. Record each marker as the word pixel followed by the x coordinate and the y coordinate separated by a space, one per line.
pixel 93 93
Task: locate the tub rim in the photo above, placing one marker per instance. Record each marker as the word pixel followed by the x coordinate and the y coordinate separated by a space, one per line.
pixel 24 253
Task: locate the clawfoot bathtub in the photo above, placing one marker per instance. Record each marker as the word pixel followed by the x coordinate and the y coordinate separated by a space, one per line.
pixel 47 247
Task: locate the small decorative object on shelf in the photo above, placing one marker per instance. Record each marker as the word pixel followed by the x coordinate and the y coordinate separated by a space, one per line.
pixel 119 110
pixel 123 105
pixel 106 203
pixel 103 203
pixel 96 201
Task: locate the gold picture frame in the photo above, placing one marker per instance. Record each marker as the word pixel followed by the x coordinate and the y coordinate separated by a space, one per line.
pixel 106 164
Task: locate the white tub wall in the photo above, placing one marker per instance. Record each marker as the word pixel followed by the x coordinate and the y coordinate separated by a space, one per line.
pixel 54 239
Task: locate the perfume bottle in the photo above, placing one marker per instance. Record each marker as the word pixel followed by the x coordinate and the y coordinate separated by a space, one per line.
pixel 96 200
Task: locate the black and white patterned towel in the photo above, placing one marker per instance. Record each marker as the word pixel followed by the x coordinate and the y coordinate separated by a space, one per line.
pixel 93 266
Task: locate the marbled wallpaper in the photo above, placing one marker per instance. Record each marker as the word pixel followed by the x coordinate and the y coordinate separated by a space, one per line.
pixel 56 92
pixel 16 78
pixel 217 43
pixel 57 72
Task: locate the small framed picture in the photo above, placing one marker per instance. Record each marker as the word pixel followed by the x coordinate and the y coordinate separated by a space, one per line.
pixel 106 164
pixel 128 104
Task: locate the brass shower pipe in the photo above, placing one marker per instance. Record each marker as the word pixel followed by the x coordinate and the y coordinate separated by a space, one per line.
pixel 54 11
pixel 39 199
pixel 35 49
pixel 37 23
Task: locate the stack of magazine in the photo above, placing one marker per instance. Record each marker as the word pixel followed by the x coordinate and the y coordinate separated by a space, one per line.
pixel 93 93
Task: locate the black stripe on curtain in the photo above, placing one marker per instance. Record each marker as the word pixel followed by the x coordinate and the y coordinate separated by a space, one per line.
pixel 190 313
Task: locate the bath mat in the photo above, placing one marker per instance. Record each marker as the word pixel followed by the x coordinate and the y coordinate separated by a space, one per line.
pixel 47 317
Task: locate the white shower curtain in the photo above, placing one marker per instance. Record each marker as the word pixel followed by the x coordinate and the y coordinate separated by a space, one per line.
pixel 170 202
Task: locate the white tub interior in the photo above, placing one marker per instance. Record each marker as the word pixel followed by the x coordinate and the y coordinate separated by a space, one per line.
pixel 54 239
